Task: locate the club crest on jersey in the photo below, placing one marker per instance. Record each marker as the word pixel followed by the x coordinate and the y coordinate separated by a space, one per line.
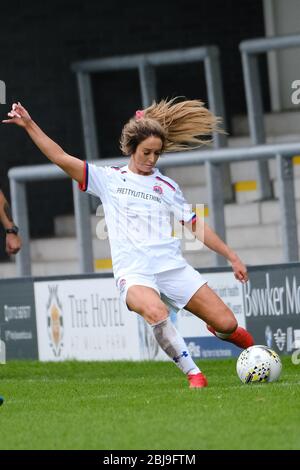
pixel 157 189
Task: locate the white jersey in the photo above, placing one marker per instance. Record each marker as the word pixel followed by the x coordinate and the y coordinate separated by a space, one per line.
pixel 138 212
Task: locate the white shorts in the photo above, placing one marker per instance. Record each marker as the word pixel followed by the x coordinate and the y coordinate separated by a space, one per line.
pixel 176 286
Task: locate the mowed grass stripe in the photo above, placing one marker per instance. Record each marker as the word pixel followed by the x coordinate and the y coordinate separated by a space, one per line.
pixel 126 405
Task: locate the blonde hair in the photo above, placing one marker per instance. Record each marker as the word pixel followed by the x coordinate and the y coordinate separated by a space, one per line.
pixel 181 125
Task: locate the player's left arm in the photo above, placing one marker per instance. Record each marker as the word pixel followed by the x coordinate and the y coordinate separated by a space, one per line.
pixel 206 235
pixel 73 166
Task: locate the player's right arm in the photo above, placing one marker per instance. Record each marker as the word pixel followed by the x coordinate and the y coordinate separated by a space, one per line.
pixel 73 166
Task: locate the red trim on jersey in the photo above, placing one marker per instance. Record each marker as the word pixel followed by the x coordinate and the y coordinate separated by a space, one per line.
pixel 166 182
pixel 84 185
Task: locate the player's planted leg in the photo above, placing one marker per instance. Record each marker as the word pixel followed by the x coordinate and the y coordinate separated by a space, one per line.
pixel 175 347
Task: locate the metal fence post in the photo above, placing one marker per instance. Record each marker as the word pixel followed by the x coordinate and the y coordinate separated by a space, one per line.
pixel 88 121
pixel 83 230
pixel 88 116
pixel 287 208
pixel 216 205
pixel 256 119
pixel 147 83
pixel 215 91
pixel 2 92
pixel 216 103
pixel 218 175
pixel 20 215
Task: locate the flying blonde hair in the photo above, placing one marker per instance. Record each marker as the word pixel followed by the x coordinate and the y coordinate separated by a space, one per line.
pixel 181 125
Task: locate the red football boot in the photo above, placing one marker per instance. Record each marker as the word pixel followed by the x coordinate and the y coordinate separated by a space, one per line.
pixel 197 380
pixel 240 337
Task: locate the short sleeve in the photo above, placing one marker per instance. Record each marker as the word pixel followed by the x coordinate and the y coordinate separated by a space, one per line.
pixel 181 209
pixel 94 180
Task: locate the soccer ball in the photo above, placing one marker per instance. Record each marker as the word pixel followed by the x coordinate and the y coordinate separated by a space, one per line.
pixel 258 364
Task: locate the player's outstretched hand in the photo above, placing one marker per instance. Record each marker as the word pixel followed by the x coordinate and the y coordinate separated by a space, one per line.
pixel 18 115
pixel 13 243
pixel 240 270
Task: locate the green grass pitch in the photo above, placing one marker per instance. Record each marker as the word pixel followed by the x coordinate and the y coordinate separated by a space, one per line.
pixel 145 405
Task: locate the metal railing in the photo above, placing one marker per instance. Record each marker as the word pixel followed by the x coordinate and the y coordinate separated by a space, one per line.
pixel 250 50
pixel 146 65
pixel 19 176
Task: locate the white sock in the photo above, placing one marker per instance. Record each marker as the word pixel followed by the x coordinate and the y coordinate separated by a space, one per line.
pixel 174 346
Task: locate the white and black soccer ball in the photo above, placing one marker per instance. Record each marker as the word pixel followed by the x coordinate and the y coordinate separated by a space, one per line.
pixel 258 364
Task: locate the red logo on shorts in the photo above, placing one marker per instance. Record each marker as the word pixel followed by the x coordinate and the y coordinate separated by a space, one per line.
pixel 122 285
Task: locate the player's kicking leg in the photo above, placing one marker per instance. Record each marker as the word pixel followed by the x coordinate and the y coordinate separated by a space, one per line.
pixel 240 337
pixel 220 320
pixel 146 302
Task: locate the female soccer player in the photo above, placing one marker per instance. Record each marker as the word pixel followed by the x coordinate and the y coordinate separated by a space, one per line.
pixel 138 202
